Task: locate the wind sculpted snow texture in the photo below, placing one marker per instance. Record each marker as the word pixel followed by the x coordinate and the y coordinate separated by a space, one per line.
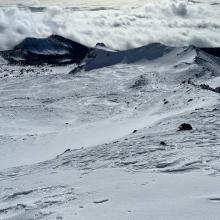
pixel 100 141
pixel 117 126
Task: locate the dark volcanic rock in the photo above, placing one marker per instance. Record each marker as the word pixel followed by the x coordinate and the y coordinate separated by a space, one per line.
pixel 207 87
pixel 217 89
pixel 101 44
pixel 55 50
pixel 185 127
pixel 163 143
pixel 213 51
pixel 139 83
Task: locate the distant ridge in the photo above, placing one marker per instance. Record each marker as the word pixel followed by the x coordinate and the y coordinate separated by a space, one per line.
pixel 57 50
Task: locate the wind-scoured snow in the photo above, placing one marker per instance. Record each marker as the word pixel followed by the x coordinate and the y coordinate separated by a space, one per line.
pixel 103 143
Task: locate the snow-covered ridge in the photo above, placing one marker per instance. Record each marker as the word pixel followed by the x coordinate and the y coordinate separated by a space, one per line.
pixel 59 50
pixel 100 57
pixel 67 140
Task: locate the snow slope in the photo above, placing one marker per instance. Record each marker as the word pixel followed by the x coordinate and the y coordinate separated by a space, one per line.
pixel 96 137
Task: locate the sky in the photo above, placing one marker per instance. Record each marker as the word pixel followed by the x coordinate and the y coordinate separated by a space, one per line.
pixel 172 22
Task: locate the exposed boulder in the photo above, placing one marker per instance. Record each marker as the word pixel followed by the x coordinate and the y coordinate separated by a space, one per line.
pixel 101 45
pixel 163 143
pixel 134 131
pixel 185 127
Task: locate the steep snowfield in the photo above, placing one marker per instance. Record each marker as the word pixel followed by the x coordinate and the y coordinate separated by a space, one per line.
pixel 105 129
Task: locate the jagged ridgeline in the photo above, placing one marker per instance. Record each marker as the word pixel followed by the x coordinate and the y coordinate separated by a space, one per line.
pixel 57 50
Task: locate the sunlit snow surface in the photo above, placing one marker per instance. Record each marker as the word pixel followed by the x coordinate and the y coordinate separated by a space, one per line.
pixel 112 172
pixel 112 119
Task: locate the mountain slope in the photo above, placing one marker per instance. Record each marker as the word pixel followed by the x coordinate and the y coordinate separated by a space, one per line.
pixel 107 139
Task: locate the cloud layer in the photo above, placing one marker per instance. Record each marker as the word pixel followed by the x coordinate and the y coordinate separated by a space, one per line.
pixel 170 22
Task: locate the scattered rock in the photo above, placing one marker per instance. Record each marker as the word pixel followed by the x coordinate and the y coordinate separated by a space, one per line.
pixel 207 87
pixel 100 201
pixel 216 199
pixel 139 83
pixel 217 89
pixel 165 102
pixel 67 151
pixel 185 127
pixel 101 44
pixel 126 163
pixel 163 143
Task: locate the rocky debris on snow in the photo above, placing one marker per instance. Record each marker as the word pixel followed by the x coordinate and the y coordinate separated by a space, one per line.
pixel 207 87
pixel 165 101
pixel 140 82
pixel 163 143
pixel 185 127
pixel 215 199
pixel 100 201
pixel 101 45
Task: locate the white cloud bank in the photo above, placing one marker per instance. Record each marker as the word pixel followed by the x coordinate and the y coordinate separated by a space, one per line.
pixel 170 22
